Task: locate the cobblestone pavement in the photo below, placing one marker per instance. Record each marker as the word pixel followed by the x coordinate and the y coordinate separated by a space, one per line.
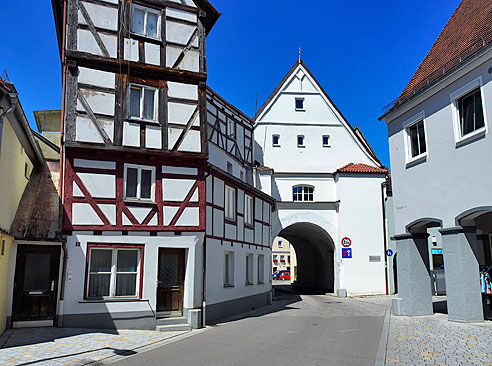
pixel 68 346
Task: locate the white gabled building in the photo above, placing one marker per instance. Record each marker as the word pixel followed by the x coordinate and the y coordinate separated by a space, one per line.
pixel 327 183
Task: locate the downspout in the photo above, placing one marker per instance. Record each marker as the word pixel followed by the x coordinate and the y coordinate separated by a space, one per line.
pixel 383 184
pixel 204 272
pixel 13 105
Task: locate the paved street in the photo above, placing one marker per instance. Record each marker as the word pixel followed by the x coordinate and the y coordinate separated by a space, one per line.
pixel 320 330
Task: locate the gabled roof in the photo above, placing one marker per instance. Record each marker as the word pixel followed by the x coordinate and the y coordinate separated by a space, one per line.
pixel 361 168
pixel 355 131
pixel 468 30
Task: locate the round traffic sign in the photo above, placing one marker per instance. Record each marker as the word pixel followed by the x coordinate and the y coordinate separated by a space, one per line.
pixel 346 242
pixel 389 252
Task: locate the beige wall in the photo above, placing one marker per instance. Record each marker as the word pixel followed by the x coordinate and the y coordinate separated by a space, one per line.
pixel 283 247
pixel 4 276
pixel 13 180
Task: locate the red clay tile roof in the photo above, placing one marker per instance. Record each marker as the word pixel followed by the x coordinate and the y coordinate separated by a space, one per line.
pixel 361 168
pixel 4 85
pixel 263 168
pixel 467 31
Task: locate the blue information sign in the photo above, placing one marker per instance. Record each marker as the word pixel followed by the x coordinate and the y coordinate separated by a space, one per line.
pixel 389 252
pixel 346 252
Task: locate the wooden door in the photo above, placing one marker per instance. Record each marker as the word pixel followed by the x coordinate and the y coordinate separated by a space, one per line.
pixel 36 284
pixel 170 282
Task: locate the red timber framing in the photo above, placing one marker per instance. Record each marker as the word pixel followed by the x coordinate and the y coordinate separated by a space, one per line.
pixel 248 190
pixel 156 160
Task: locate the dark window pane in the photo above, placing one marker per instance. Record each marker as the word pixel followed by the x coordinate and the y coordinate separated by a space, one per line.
pixel 127 261
pixel 149 104
pixel 37 272
pixel 421 132
pixel 131 182
pixel 467 115
pixel 101 260
pixel 300 140
pixel 99 285
pixel 414 140
pixel 299 103
pixel 275 140
pixel 126 284
pixel 146 184
pixel 325 140
pixel 135 95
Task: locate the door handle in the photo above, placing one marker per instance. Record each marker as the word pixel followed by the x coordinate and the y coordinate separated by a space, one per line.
pixel 52 286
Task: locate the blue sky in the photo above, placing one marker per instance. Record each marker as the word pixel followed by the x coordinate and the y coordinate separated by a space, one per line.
pixel 362 52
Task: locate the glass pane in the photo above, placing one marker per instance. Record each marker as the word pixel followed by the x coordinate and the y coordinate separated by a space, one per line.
pixel 299 103
pixel 467 116
pixel 138 21
pixel 99 285
pixel 300 140
pixel 127 261
pixel 131 182
pixel 101 260
pixel 149 104
pixel 414 140
pixel 146 184
pixel 135 95
pixel 275 140
pixel 152 25
pixel 37 272
pixel 169 270
pixel 479 123
pixel 126 284
pixel 421 132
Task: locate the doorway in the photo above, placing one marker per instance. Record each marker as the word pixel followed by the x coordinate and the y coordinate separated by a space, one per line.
pixel 170 282
pixel 35 285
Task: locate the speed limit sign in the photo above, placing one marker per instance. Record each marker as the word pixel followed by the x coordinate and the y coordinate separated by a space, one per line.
pixel 346 242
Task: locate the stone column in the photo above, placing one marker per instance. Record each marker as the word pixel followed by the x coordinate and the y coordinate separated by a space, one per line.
pixel 463 292
pixel 414 282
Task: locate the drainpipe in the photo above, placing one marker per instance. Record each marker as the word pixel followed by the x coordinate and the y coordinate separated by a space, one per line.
pixel 13 105
pixel 383 185
pixel 204 273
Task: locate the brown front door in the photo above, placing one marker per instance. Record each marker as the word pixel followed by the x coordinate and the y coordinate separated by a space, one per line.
pixel 170 282
pixel 35 284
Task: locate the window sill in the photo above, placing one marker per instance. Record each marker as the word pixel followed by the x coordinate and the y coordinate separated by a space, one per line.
pixel 417 160
pixel 300 110
pixel 229 221
pixel 144 37
pixel 471 137
pixel 142 120
pixel 301 146
pixel 249 226
pixel 261 283
pixel 248 284
pixel 276 145
pixel 326 145
pixel 136 200
pixel 97 301
pixel 228 286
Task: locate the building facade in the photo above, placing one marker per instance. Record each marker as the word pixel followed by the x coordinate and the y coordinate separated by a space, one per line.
pixel 284 257
pixel 327 182
pixel 439 143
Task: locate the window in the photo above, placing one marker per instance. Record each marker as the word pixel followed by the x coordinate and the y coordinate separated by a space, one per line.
pixel 282 258
pixel 230 203
pixel 231 128
pixel 228 269
pixel 145 22
pixel 241 175
pixel 229 168
pixel 299 104
pixel 288 258
pixel 142 102
pixel 326 140
pixel 261 268
pixel 139 182
pixel 276 140
pixel 300 140
pixel 249 269
pixel 275 258
pixel 248 210
pixel 303 193
pixel 2 252
pixel 416 138
pixel 280 244
pixel 26 170
pixel 470 112
pixel 113 272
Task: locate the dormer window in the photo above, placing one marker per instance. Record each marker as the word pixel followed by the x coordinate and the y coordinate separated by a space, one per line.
pixel 299 104
pixel 276 140
pixel 300 141
pixel 142 103
pixel 303 194
pixel 326 140
pixel 145 21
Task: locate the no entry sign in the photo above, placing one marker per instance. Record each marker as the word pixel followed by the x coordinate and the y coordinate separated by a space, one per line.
pixel 346 242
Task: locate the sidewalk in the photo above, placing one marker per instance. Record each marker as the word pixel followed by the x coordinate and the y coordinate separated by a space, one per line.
pixel 69 346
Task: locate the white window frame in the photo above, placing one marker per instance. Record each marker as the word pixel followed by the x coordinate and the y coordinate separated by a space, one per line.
pixel 139 178
pixel 303 141
pixel 261 269
pixel 229 269
pixel 248 210
pixel 249 274
pixel 302 194
pixel 113 273
pixel 231 128
pixel 227 214
pixel 407 139
pixel 147 11
pixel 142 98
pixel 303 104
pixel 273 142
pixel 459 93
pixel 322 140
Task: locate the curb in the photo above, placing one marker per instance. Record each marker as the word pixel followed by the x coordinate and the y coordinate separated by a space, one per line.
pixel 383 340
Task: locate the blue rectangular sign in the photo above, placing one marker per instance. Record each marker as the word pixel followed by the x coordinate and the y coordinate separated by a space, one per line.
pixel 346 252
pixel 436 251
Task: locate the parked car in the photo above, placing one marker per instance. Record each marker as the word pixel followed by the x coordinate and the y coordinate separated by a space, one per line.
pixel 284 276
pixel 277 274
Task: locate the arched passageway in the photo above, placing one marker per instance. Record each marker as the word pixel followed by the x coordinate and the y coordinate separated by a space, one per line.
pixel 314 250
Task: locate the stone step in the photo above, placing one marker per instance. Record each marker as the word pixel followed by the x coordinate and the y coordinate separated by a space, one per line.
pixel 173 328
pixel 172 320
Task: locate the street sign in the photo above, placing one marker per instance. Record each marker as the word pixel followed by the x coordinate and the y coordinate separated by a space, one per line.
pixel 389 252
pixel 436 251
pixel 346 253
pixel 346 242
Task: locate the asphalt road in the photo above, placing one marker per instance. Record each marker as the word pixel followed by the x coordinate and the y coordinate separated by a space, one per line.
pixel 298 329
